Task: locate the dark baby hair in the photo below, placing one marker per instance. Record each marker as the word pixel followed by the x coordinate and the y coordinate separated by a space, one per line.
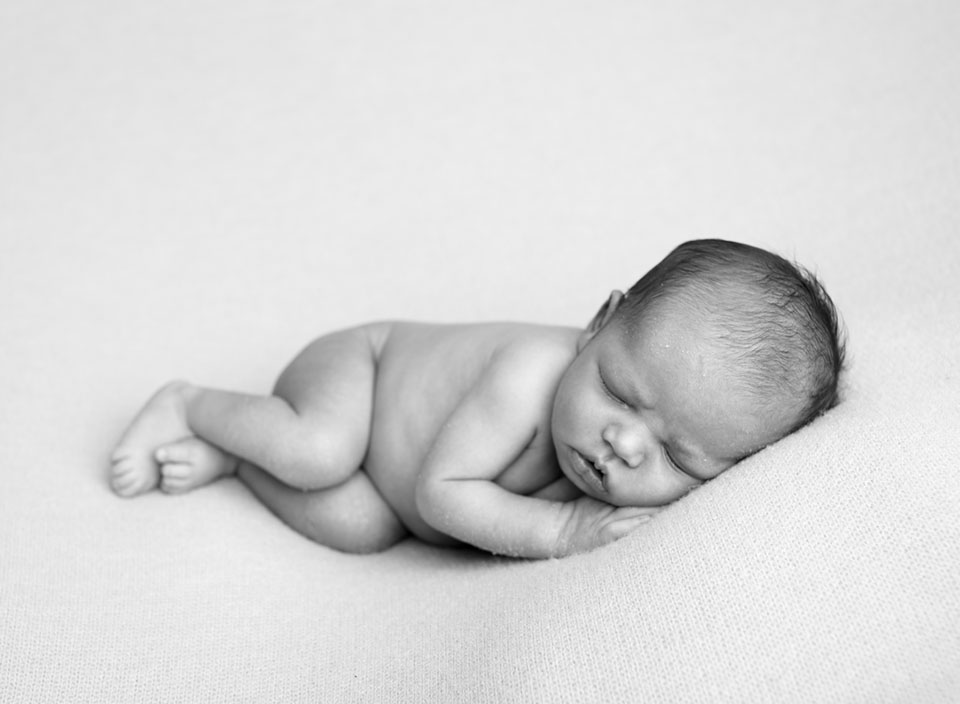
pixel 772 319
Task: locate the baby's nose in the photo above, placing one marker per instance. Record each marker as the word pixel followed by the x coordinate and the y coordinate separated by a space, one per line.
pixel 628 444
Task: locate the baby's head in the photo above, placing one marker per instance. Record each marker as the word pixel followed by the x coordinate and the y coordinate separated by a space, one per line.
pixel 770 322
pixel 718 351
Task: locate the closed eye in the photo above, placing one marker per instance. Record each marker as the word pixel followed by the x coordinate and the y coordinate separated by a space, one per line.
pixel 676 465
pixel 609 392
pixel 683 470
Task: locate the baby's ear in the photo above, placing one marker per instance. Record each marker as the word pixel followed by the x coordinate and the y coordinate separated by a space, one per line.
pixel 602 317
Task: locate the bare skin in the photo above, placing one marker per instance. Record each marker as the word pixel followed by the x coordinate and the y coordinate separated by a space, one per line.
pixel 503 436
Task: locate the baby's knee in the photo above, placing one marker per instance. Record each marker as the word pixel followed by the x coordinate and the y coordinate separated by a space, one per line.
pixel 314 461
pixel 366 542
pixel 352 519
pixel 355 533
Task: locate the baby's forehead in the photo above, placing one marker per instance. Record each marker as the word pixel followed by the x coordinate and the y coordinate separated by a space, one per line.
pixel 689 359
pixel 673 326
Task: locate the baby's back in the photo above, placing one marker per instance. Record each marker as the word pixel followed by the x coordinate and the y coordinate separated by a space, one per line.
pixel 424 371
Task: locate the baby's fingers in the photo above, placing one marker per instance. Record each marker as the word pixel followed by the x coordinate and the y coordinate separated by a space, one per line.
pixel 622 526
pixel 625 512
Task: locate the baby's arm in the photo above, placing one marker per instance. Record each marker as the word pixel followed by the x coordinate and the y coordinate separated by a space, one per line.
pixel 491 427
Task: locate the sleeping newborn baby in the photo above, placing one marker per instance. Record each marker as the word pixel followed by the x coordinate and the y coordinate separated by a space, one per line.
pixel 523 440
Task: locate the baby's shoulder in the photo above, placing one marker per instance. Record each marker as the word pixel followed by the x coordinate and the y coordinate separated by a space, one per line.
pixel 538 345
pixel 532 358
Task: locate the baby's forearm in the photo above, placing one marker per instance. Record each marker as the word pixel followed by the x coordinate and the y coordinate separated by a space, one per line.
pixel 489 517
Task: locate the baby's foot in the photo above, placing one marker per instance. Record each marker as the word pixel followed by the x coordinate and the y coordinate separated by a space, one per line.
pixel 161 421
pixel 190 463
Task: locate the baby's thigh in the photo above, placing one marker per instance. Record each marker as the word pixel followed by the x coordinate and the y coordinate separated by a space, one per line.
pixel 330 385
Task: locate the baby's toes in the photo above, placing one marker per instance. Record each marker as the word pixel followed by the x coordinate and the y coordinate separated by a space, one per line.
pixel 174 469
pixel 120 466
pixel 179 452
pixel 190 463
pixel 132 473
pixel 123 478
pixel 124 485
pixel 130 486
pixel 172 481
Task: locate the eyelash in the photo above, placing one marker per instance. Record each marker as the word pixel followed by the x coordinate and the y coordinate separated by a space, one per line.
pixel 608 392
pixel 673 462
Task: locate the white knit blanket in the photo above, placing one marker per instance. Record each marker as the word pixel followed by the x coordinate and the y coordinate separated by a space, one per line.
pixel 196 189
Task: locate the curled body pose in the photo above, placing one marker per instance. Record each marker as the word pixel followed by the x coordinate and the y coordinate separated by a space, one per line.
pixel 520 439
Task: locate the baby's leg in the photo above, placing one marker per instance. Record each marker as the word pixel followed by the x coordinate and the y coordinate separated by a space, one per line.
pixel 312 434
pixel 351 517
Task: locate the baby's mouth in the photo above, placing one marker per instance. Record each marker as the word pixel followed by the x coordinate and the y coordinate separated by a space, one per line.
pixel 594 471
pixel 599 474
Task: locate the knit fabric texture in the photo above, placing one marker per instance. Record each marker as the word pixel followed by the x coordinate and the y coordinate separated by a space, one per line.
pixel 195 190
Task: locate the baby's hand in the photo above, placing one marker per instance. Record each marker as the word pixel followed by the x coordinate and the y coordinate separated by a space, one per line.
pixel 590 523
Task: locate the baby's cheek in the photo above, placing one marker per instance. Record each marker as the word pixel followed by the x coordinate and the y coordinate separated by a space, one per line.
pixel 564 417
pixel 659 492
